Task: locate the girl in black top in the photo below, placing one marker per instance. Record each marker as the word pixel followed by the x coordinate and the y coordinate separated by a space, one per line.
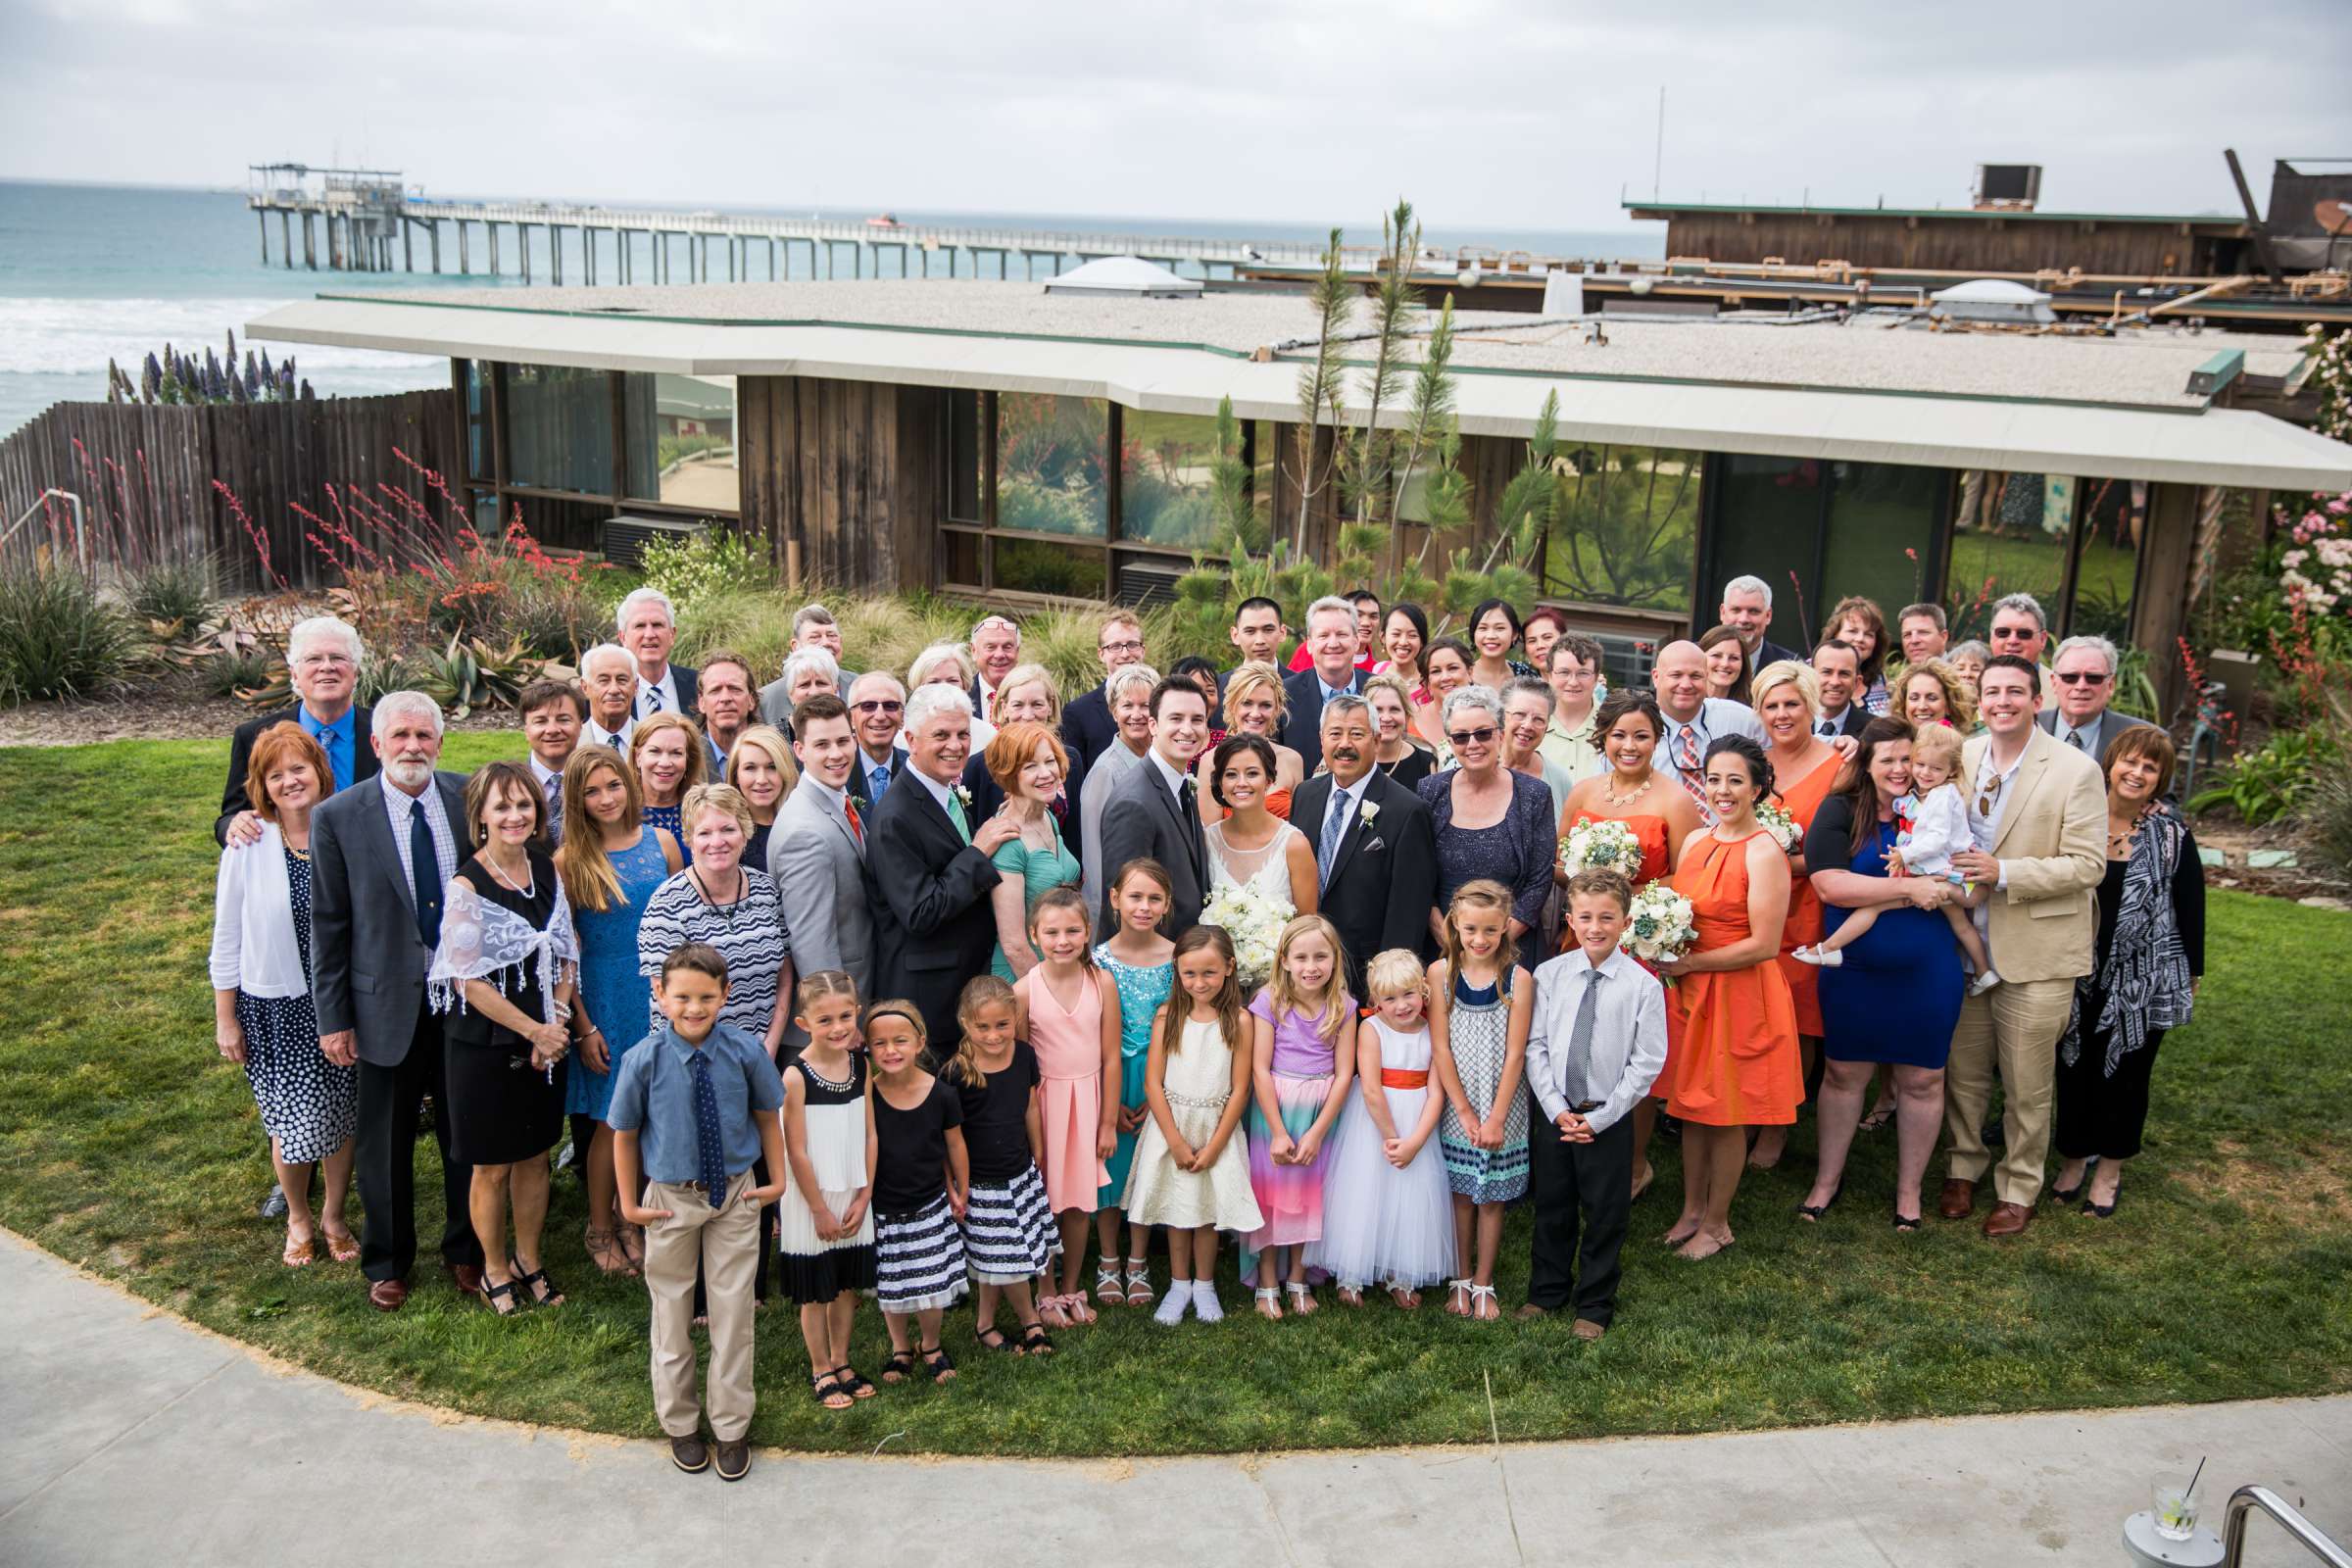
pixel 1009 1233
pixel 922 1177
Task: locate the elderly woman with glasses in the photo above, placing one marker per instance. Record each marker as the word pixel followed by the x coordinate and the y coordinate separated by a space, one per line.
pixel 1491 820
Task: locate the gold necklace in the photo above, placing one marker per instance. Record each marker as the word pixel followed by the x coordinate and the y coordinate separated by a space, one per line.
pixel 1612 798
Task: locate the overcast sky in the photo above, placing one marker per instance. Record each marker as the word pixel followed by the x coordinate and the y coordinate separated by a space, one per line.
pixel 1507 116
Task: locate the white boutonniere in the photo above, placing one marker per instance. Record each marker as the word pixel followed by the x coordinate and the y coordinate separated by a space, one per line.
pixel 1368 812
pixel 963 798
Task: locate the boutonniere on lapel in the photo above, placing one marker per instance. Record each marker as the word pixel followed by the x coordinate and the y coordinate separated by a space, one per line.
pixel 1368 812
pixel 964 797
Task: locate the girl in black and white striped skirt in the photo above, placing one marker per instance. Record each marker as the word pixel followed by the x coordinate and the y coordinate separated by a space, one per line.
pixel 921 1179
pixel 1009 1235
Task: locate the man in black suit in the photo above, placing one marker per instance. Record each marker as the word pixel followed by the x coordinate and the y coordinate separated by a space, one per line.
pixel 380 856
pixel 1376 851
pixel 1331 640
pixel 1087 727
pixel 877 712
pixel 927 863
pixel 1838 672
pixel 1153 812
pixel 649 629
pixel 322 662
pixel 1746 608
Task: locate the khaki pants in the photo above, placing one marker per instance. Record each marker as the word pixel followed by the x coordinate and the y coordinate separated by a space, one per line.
pixel 726 1242
pixel 2016 1026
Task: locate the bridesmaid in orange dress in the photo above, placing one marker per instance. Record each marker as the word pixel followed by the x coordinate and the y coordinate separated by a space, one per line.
pixel 1661 814
pixel 1804 768
pixel 1254 703
pixel 1731 1023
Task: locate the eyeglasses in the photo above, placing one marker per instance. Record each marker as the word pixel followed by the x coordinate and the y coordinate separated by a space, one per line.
pixel 1130 645
pixel 1471 737
pixel 879 706
pixel 2078 677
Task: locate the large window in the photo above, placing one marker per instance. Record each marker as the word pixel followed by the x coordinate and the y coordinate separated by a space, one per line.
pixel 559 428
pixel 1880 542
pixel 2009 534
pixel 1167 479
pixel 1051 465
pixel 1627 528
pixel 1818 531
pixel 680 440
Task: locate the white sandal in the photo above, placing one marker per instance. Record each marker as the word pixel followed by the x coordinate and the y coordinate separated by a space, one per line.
pixel 1139 1282
pixel 1304 1306
pixel 1106 1286
pixel 1464 1289
pixel 1269 1302
pixel 1484 1293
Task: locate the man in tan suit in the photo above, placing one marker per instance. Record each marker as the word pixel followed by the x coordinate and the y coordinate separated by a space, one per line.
pixel 2042 808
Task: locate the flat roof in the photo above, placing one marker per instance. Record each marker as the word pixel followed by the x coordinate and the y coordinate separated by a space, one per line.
pixel 2092 407
pixel 2233 223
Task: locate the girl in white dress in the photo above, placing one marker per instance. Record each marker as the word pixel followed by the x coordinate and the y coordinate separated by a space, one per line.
pixel 1192 1173
pixel 825 1224
pixel 1253 846
pixel 1935 824
pixel 1388 1209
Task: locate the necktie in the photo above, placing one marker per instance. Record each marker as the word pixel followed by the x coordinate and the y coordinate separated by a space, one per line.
pixel 1334 827
pixel 652 699
pixel 1828 729
pixel 1686 767
pixel 856 826
pixel 709 1160
pixel 2074 738
pixel 876 782
pixel 613 741
pixel 1192 806
pixel 424 867
pixel 964 826
pixel 1575 1067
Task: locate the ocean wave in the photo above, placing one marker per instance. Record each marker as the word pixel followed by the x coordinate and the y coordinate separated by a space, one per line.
pixel 77 337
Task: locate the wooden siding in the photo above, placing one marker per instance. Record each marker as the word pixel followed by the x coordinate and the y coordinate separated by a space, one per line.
pixel 848 471
pixel 1987 244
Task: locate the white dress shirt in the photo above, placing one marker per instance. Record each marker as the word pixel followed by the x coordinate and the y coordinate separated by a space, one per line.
pixel 668 685
pixel 1170 776
pixel 939 791
pixel 1830 725
pixel 594 734
pixel 1628 1049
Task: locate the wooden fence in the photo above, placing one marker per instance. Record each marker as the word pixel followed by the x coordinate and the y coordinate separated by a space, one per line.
pixel 146 476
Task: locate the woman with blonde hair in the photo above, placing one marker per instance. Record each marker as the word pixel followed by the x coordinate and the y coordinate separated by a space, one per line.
pixel 763 768
pixel 611 863
pixel 951 664
pixel 1931 691
pixel 1255 705
pixel 1029 695
pixel 671 758
pixel 1805 768
pixel 1398 751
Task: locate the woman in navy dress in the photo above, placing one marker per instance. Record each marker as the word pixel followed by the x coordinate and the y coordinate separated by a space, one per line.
pixel 1490 821
pixel 1896 997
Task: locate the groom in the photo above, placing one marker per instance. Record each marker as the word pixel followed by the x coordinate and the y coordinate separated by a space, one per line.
pixel 1153 812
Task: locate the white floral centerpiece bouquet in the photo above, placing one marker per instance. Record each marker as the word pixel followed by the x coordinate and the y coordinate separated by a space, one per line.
pixel 1604 843
pixel 1254 922
pixel 1659 928
pixel 1774 819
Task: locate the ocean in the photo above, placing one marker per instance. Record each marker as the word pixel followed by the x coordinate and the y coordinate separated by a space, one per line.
pixel 89 273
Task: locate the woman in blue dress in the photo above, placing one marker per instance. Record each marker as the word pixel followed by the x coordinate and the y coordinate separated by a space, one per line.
pixel 608 875
pixel 1896 997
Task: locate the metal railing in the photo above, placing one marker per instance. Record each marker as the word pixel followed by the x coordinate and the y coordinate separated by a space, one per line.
pixel 81 534
pixel 2242 1504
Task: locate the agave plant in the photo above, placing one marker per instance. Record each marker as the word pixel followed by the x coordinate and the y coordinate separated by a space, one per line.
pixel 470 673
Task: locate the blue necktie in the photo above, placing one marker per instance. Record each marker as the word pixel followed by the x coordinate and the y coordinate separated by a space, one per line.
pixel 1334 827
pixel 876 783
pixel 710 1159
pixel 424 867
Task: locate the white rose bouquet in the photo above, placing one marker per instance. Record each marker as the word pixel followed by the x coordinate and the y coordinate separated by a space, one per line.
pixel 1774 819
pixel 1659 927
pixel 1254 922
pixel 1601 843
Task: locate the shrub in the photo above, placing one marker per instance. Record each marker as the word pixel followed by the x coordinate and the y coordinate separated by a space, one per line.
pixel 57 639
pixel 2330 816
pixel 230 671
pixel 707 565
pixel 177 593
pixel 2265 785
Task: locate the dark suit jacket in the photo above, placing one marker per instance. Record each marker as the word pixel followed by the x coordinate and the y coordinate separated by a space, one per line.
pixel 241 755
pixel 860 777
pixel 2111 724
pixel 1384 877
pixel 1769 651
pixel 1302 722
pixel 1143 819
pixel 688 683
pixel 934 927
pixel 367 963
pixel 1856 715
pixel 1087 727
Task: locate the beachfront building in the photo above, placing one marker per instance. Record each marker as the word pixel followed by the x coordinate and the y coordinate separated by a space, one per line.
pixel 992 440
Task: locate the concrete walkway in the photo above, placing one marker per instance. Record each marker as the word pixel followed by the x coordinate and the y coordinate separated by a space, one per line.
pixel 133 1439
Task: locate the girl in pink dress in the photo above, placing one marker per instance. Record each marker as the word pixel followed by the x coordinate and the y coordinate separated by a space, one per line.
pixel 1068 1012
pixel 1303 1030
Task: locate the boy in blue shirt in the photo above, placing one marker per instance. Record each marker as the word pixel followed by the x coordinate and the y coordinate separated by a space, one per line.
pixel 693 1105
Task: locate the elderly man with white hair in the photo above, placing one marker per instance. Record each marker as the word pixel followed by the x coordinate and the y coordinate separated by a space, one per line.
pixel 996 651
pixel 323 661
pixel 382 857
pixel 1746 608
pixel 608 675
pixel 2084 673
pixel 1331 641
pixel 807 672
pixel 648 627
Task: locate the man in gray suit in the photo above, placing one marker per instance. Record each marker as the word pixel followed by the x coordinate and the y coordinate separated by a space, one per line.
pixel 2084 673
pixel 816 850
pixel 1152 813
pixel 381 853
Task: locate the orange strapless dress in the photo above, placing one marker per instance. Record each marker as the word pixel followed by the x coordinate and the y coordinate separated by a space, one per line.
pixel 1731 1034
pixel 1657 858
pixel 1278 804
pixel 1803 798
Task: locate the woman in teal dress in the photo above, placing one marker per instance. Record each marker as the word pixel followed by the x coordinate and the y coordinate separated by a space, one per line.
pixel 1027 761
pixel 609 876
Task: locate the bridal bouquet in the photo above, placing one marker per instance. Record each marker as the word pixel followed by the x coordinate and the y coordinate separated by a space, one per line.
pixel 1774 819
pixel 1658 930
pixel 1602 844
pixel 1254 922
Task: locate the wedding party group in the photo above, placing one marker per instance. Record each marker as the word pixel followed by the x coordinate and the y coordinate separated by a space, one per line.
pixel 840 984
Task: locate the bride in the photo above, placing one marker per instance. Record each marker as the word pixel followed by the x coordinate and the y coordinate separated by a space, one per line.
pixel 1253 846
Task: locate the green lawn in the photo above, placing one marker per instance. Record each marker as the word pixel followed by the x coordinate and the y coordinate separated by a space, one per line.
pixel 132 1149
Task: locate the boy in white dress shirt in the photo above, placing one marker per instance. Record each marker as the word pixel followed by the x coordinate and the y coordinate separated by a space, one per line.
pixel 1597 1044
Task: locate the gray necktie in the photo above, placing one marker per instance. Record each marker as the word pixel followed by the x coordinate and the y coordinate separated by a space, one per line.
pixel 1576 1069
pixel 1334 827
pixel 2074 738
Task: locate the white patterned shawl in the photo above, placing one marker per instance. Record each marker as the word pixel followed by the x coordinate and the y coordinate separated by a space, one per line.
pixel 485 940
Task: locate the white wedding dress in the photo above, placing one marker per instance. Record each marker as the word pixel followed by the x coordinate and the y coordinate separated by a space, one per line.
pixel 1266 870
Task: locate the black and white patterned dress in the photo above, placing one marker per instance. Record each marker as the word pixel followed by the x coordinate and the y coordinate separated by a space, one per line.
pixel 308 1103
pixel 1008 1233
pixel 833 1137
pixel 747 933
pixel 918 1248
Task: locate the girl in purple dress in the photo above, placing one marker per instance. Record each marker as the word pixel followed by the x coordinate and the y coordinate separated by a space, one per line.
pixel 1303 1054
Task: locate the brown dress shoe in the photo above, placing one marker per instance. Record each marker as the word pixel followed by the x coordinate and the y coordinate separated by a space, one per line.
pixel 734 1458
pixel 467 1277
pixel 1959 1200
pixel 387 1296
pixel 1587 1329
pixel 690 1454
pixel 2008 1219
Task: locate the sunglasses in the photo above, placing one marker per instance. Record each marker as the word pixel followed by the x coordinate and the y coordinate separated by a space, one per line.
pixel 2078 677
pixel 1988 794
pixel 879 706
pixel 1471 737
pixel 2015 634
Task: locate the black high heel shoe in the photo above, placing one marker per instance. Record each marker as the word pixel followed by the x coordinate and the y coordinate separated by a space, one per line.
pixel 2067 1194
pixel 1811 1215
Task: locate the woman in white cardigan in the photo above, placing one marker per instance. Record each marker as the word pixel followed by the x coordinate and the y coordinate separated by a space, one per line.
pixel 262 1015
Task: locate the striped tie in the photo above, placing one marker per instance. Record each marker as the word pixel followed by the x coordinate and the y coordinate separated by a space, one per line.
pixel 1690 769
